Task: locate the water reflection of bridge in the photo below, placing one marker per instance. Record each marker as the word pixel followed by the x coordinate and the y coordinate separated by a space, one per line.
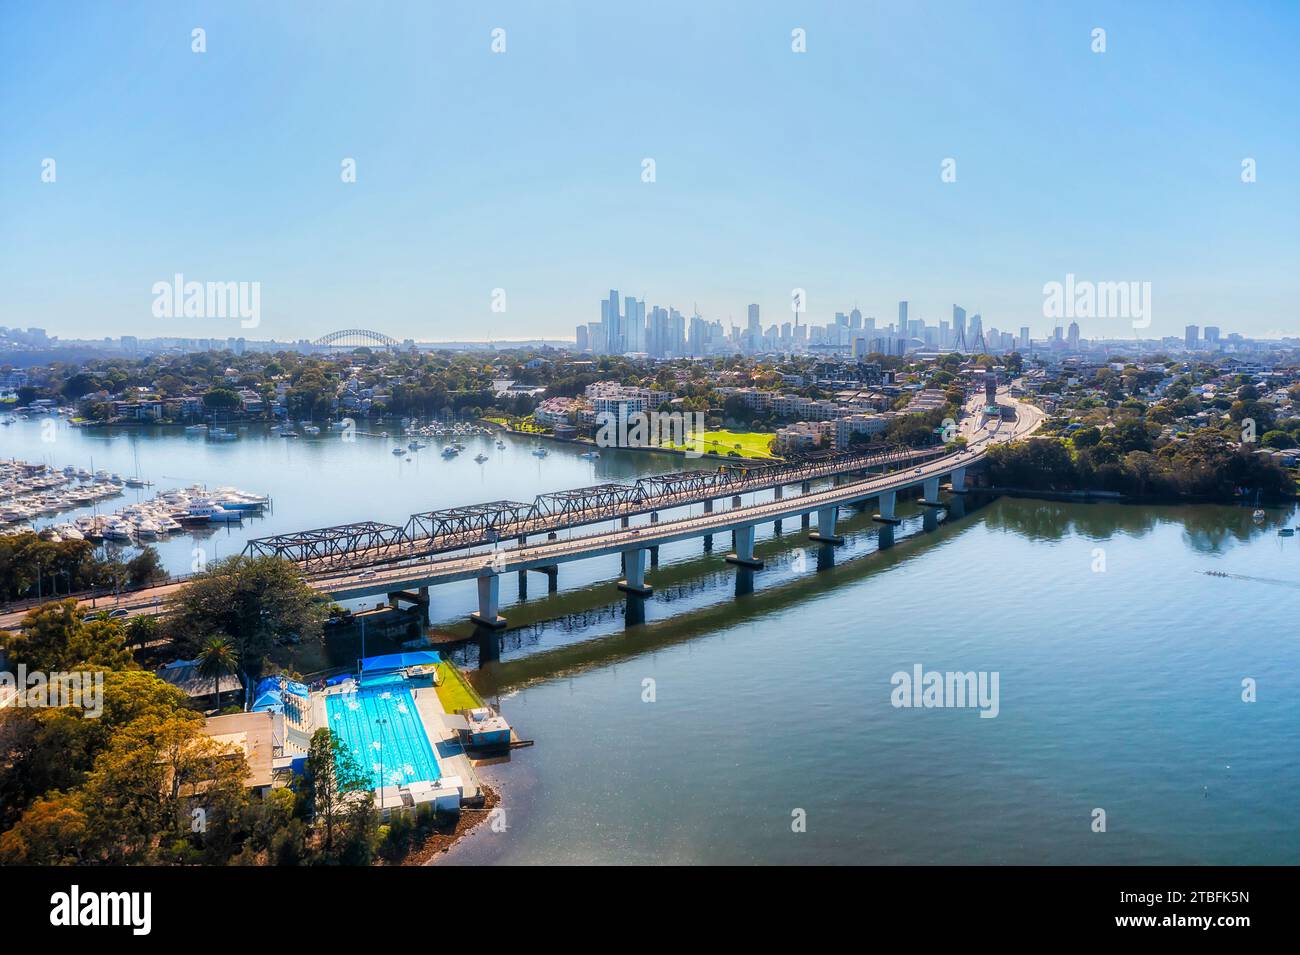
pixel 563 639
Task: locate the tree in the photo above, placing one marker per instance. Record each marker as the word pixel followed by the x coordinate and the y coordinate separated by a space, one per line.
pixel 333 772
pixel 217 658
pixel 145 568
pixel 256 602
pixel 55 637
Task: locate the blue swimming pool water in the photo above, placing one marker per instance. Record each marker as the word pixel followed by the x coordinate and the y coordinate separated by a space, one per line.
pixel 385 715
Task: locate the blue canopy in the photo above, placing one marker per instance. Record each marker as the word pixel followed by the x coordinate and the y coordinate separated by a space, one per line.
pixel 397 661
pixel 271 700
pixel 297 689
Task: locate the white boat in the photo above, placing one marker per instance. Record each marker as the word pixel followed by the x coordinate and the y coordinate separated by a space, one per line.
pixel 195 428
pixel 591 455
pixel 214 513
pixel 540 452
pixel 310 429
pixel 221 434
pixel 480 457
pixel 449 452
pixel 146 529
pixel 117 530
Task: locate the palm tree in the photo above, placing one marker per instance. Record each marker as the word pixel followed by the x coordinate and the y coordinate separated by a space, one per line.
pixel 217 658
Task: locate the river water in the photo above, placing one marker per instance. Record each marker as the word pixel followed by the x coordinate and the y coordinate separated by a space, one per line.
pixel 712 720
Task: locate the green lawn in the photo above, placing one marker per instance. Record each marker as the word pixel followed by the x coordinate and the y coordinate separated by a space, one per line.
pixel 752 444
pixel 454 691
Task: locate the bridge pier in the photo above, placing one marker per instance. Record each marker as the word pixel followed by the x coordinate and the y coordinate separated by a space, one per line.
pixel 959 481
pixel 888 501
pixel 489 600
pixel 552 572
pixel 634 564
pixel 825 533
pixel 654 555
pixel 930 493
pixel 743 540
pixel 708 538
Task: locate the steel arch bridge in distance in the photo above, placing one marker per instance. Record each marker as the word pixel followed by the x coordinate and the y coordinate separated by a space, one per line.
pixel 355 338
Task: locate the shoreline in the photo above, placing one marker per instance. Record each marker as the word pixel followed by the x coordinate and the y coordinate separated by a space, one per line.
pixel 437 843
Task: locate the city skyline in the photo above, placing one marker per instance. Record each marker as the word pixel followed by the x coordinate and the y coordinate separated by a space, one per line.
pixel 771 169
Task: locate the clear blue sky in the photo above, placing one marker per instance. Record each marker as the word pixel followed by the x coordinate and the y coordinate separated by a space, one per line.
pixel 523 170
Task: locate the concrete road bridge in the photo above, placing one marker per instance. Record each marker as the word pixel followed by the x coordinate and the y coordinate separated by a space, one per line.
pixel 852 482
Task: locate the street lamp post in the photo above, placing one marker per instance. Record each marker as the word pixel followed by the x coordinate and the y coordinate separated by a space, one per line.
pixel 381 722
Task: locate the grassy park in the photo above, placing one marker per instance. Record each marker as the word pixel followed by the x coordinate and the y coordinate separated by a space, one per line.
pixel 748 444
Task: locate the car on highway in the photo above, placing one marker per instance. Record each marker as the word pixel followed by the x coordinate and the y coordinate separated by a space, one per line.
pixel 117 614
pixel 367 574
pixel 916 470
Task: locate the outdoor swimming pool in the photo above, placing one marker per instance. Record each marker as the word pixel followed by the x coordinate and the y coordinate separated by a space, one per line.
pixel 383 730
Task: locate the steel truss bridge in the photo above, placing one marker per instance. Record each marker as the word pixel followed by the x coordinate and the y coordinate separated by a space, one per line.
pixel 367 543
pixel 355 338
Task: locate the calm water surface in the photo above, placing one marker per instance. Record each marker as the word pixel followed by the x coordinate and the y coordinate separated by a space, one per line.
pixel 1120 688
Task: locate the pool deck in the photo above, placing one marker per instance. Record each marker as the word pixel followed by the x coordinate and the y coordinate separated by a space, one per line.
pixel 446 746
pixel 452 760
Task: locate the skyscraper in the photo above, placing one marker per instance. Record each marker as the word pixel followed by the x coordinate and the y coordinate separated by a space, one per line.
pixel 1190 335
pixel 959 327
pixel 1073 337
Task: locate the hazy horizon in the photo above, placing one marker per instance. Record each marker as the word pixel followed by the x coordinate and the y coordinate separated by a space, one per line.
pixel 523 170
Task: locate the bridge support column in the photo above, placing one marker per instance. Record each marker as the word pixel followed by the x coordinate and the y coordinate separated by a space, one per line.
pixel 654 556
pixel 930 493
pixel 634 564
pixel 419 598
pixel 959 481
pixel 489 599
pixel 552 572
pixel 825 533
pixel 888 501
pixel 709 538
pixel 743 540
